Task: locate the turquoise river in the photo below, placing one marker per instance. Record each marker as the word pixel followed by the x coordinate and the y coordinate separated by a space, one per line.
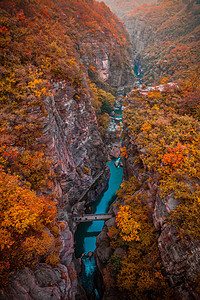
pixel 87 232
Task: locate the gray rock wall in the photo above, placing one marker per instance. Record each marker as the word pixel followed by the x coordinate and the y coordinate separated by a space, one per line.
pixel 179 258
pixel 78 153
pixel 78 158
pixel 105 67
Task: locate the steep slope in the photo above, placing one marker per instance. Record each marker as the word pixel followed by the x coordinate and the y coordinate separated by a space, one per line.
pixel 165 38
pixel 161 188
pixel 54 55
pixel 161 163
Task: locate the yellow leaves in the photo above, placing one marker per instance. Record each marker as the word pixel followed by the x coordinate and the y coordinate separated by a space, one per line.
pixel 24 217
pixel 168 141
pixel 34 167
pixel 53 259
pixel 122 185
pixel 128 188
pixel 36 84
pixel 129 229
pixel 124 152
pixel 164 80
pixel 19 218
pixel 62 226
pixel 71 62
pixel 40 245
pixel 103 122
pixel 93 68
pixel 146 127
pixel 156 107
pixel 55 48
pixel 175 157
pixel 154 94
pixel 139 275
pixel 22 209
pixel 6 239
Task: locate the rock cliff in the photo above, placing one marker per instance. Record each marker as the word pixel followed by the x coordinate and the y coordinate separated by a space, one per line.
pixel 165 37
pixel 179 257
pixel 76 150
pixel 91 44
pixel 71 132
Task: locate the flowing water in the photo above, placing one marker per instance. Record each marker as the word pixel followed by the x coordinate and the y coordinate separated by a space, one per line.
pixel 87 232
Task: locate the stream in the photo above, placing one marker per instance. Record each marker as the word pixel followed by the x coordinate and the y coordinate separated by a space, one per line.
pixel 87 232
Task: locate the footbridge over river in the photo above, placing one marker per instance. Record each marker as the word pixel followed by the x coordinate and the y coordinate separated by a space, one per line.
pixel 91 217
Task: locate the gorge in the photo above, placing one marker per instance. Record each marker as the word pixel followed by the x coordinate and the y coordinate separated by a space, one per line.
pixel 63 64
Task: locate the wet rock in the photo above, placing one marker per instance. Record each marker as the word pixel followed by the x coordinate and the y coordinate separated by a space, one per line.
pixel 90 254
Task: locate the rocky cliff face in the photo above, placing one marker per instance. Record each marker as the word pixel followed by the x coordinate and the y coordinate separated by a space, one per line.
pixel 79 160
pixel 106 68
pixel 159 33
pixel 71 132
pixel 179 258
pixel 86 42
pixel 74 145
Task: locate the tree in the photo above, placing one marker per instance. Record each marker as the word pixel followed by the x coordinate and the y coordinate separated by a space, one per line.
pixel 129 228
pixel 138 273
pixel 26 224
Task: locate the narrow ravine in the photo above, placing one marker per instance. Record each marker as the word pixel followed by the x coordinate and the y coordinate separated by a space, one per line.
pixel 87 232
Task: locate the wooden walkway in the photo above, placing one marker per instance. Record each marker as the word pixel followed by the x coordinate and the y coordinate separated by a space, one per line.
pixel 90 218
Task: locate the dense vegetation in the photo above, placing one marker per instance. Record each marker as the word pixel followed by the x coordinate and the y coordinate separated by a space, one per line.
pixel 166 126
pixel 172 38
pixel 138 272
pixel 47 41
pixel 164 129
pixel 43 42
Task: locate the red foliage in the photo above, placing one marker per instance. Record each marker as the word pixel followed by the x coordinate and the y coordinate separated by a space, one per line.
pixel 21 17
pixel 3 29
pixel 174 157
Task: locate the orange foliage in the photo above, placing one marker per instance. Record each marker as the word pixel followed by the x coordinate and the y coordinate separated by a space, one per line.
pixel 146 127
pixel 174 157
pixel 138 273
pixel 169 137
pixel 25 219
pixel 124 152
pixel 129 228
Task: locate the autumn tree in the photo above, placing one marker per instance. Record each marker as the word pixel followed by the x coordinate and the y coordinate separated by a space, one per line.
pixel 138 273
pixel 168 142
pixel 27 231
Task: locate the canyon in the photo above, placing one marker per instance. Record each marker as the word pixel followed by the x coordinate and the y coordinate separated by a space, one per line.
pixel 78 153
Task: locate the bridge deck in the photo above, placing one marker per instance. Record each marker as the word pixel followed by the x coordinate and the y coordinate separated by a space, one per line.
pixel 90 218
